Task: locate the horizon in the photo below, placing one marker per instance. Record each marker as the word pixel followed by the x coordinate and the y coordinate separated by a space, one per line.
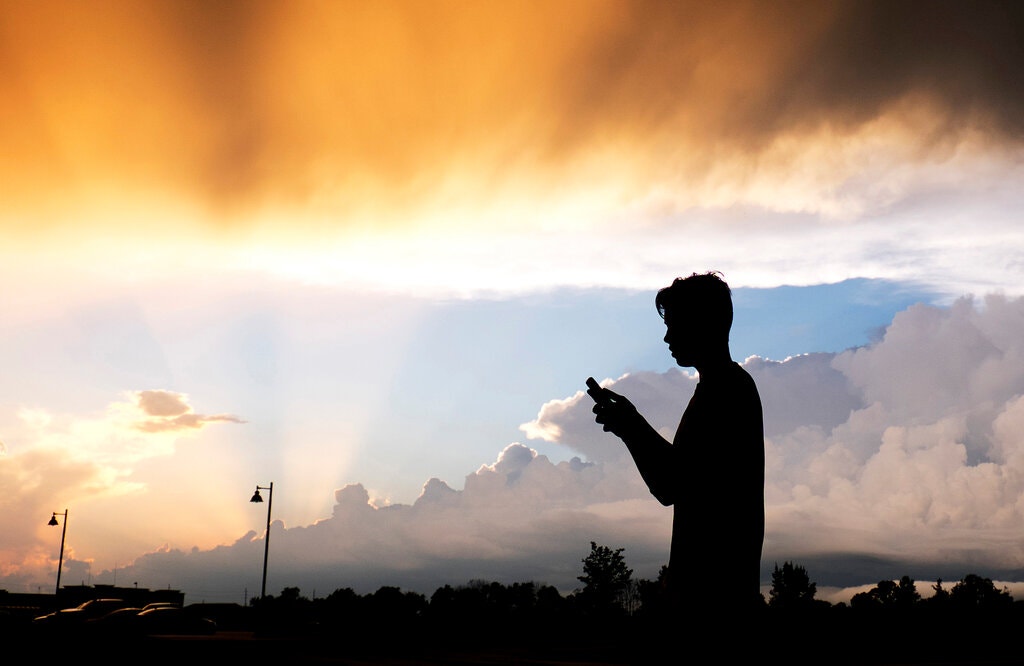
pixel 833 596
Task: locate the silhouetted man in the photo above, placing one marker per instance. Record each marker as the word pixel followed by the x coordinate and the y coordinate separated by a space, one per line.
pixel 713 471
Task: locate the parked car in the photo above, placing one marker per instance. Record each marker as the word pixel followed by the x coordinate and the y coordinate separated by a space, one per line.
pixel 173 620
pixel 162 604
pixel 80 614
pixel 121 621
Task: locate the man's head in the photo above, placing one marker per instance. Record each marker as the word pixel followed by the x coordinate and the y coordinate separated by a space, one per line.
pixel 698 313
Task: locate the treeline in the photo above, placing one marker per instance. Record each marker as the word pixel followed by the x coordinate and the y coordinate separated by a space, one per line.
pixel 613 611
pixel 609 594
pixel 526 611
pixel 792 589
pixel 971 622
pixel 608 589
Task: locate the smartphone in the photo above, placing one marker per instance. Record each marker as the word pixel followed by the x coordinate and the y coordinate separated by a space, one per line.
pixel 594 390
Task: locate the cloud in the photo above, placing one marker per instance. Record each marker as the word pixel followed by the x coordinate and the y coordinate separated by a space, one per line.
pixel 162 403
pixel 331 106
pixel 520 518
pixel 169 411
pixel 922 470
pixel 454 149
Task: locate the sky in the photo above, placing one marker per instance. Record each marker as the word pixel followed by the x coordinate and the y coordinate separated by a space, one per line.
pixel 369 252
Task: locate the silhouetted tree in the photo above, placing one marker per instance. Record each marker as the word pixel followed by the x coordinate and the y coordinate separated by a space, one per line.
pixel 975 592
pixel 344 597
pixel 940 597
pixel 478 601
pixel 906 593
pixel 630 596
pixel 444 601
pixel 792 588
pixel 289 612
pixel 653 594
pixel 522 598
pixel 550 601
pixel 341 607
pixel 605 578
pixel 888 594
pixel 971 609
pixel 391 604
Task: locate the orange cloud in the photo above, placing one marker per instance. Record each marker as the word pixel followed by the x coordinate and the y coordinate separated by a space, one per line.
pixel 347 109
pixel 169 411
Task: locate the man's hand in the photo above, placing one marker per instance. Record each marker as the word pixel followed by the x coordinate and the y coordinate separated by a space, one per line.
pixel 614 412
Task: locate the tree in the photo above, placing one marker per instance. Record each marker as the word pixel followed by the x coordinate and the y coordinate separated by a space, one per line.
pixel 605 578
pixel 792 588
pixel 888 594
pixel 341 606
pixel 549 600
pixel 632 596
pixel 975 592
pixel 940 599
pixel 392 604
pixel 907 594
pixel 653 594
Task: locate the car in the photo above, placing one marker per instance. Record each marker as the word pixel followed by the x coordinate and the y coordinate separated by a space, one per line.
pixel 162 604
pixel 173 620
pixel 80 614
pixel 121 621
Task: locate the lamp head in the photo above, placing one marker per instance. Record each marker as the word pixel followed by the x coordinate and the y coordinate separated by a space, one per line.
pixel 256 496
pixel 53 519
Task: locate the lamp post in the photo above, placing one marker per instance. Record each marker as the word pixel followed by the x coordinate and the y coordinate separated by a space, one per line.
pixel 64 531
pixel 266 536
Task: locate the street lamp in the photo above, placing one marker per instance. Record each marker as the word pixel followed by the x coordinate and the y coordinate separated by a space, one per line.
pixel 266 537
pixel 60 562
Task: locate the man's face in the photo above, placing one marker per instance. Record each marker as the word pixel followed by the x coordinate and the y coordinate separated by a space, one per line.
pixel 681 338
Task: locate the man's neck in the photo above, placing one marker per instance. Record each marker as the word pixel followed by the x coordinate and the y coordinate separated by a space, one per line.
pixel 712 363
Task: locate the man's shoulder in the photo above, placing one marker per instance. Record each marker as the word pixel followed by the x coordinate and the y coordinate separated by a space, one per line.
pixel 741 372
pixel 729 384
pixel 736 382
pixel 737 374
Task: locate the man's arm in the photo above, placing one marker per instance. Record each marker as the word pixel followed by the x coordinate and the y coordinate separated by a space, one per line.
pixel 653 455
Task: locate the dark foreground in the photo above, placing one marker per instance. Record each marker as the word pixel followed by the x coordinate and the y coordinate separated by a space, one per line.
pixel 799 641
pixel 237 648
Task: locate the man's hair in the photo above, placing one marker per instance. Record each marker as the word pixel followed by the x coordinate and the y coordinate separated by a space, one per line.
pixel 705 294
